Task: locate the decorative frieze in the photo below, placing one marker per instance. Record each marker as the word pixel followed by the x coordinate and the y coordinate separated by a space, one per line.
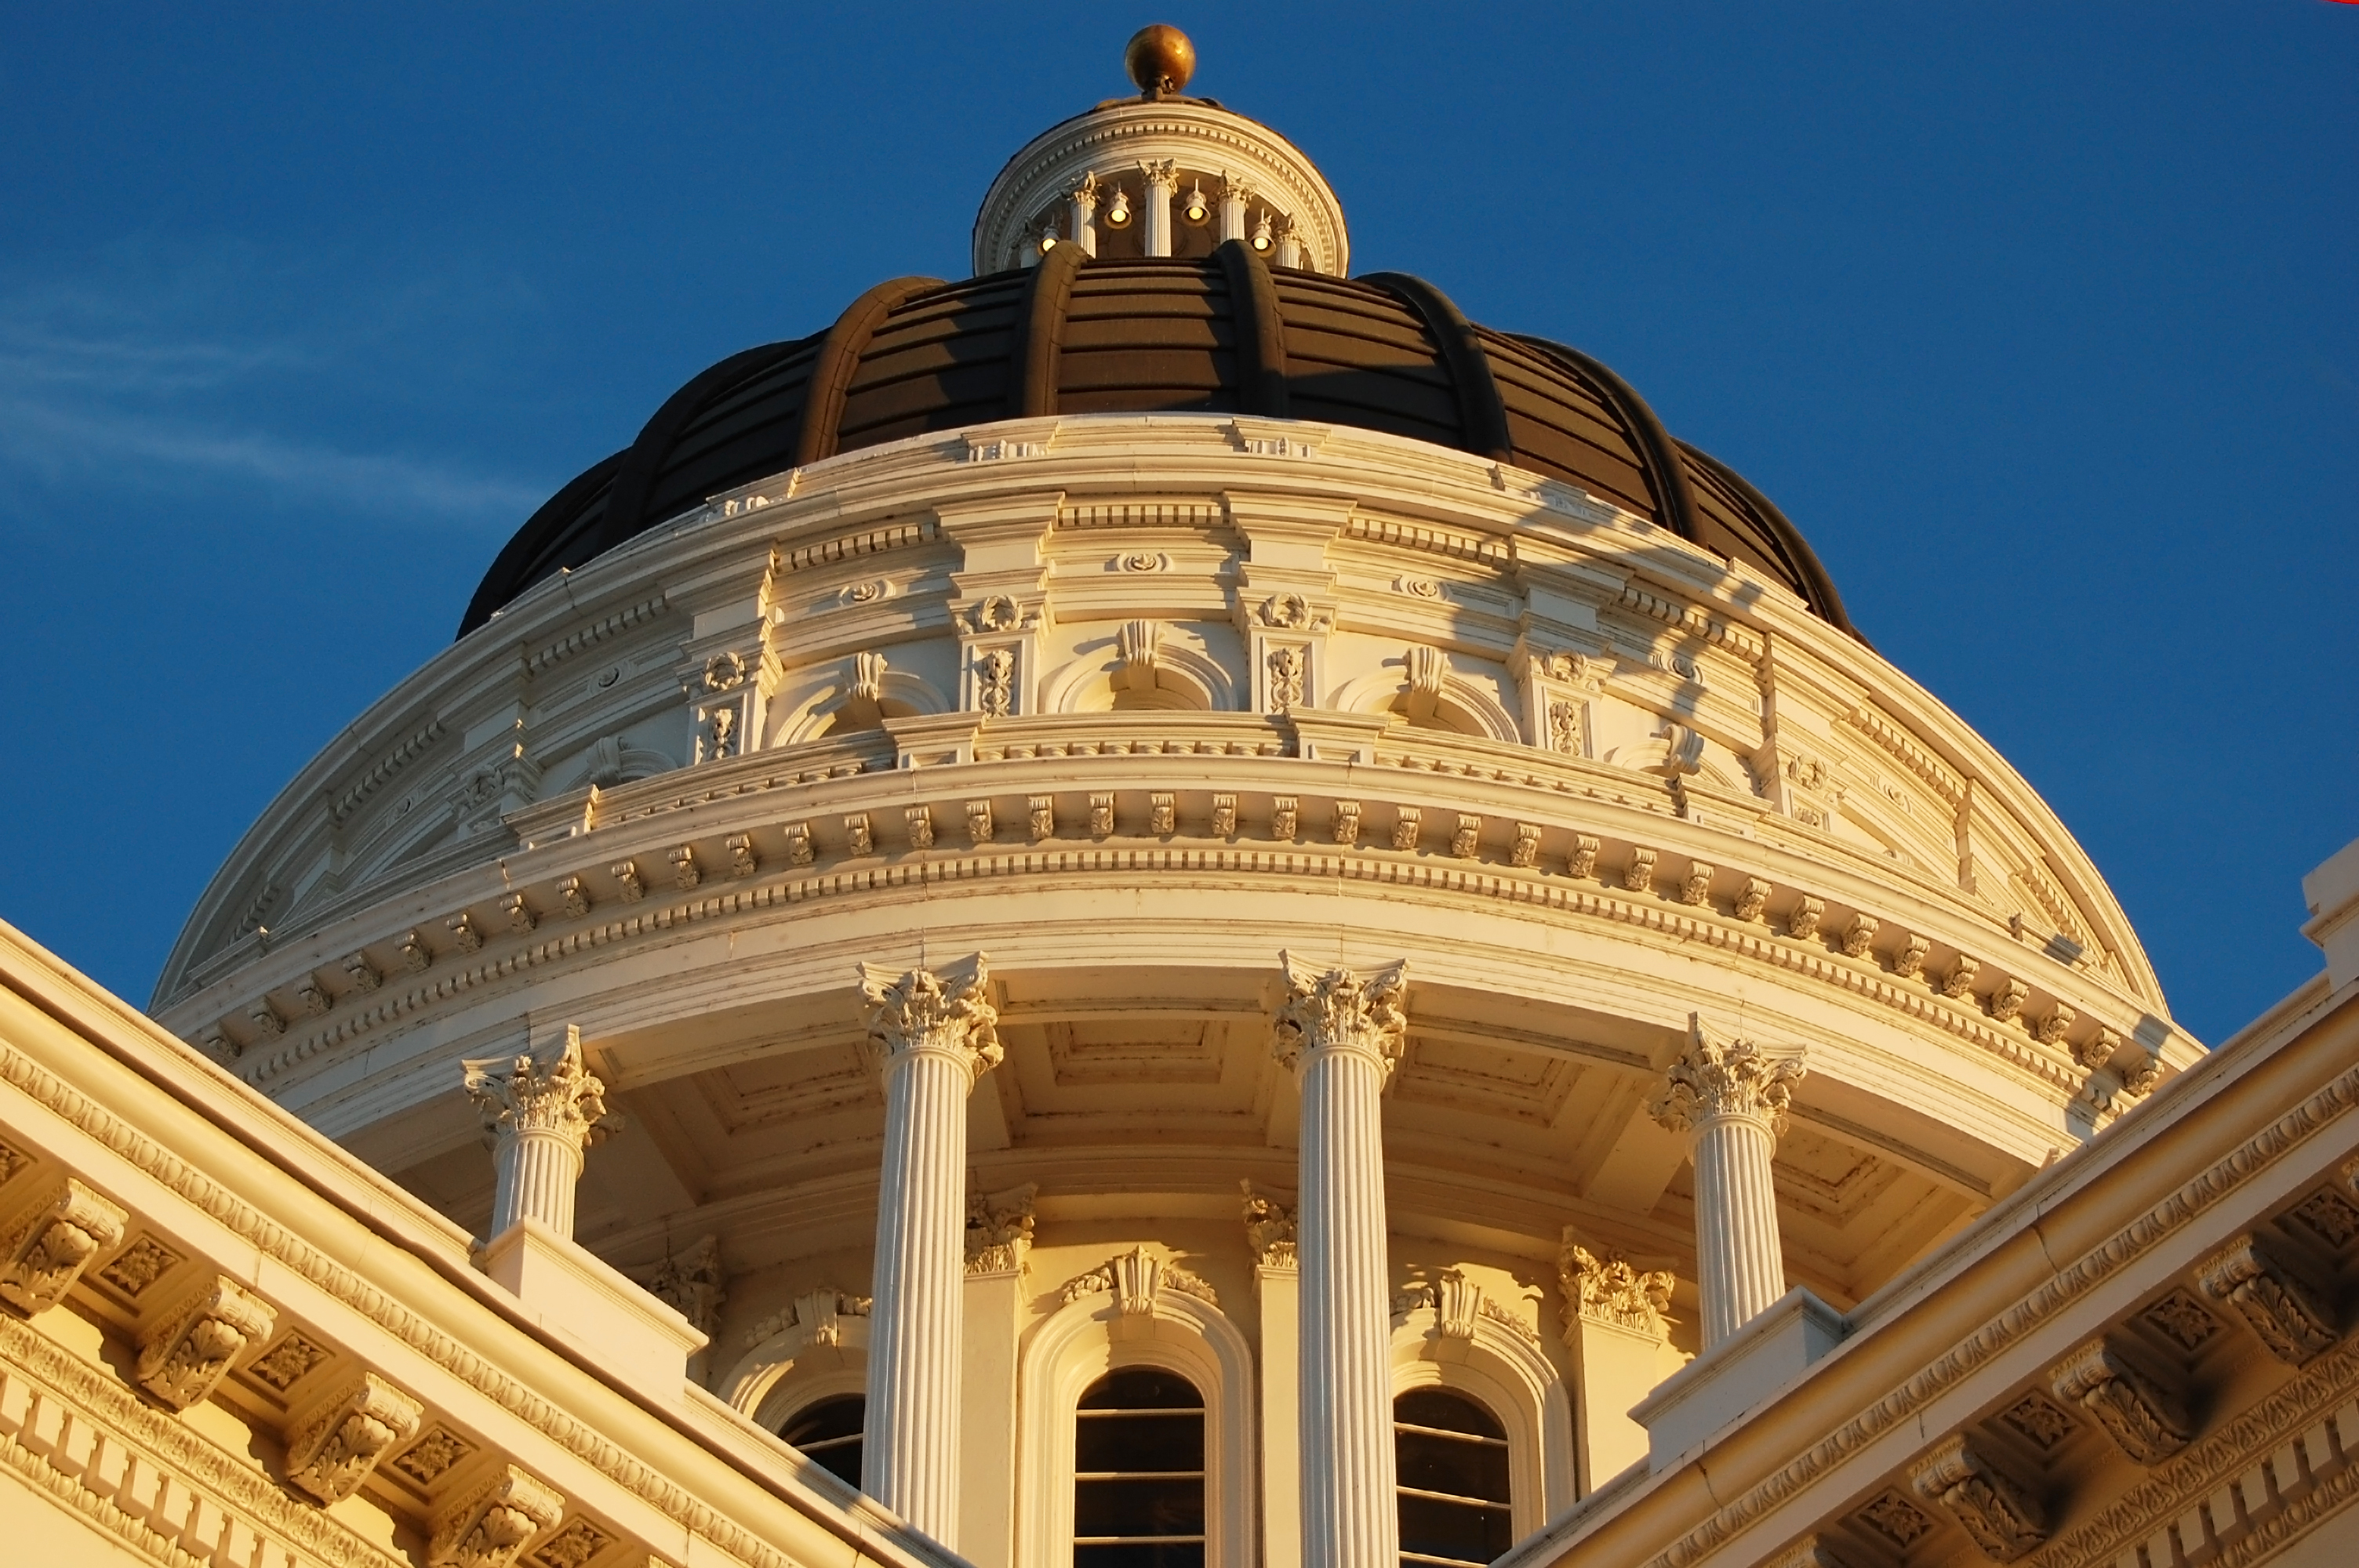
pixel 1269 1228
pixel 331 1449
pixel 185 1354
pixel 1999 1512
pixel 1610 1290
pixel 2148 1420
pixel 2285 1308
pixel 490 1524
pixel 53 1242
pixel 999 1230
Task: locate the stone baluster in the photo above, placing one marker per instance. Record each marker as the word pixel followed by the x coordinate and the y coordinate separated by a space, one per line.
pixel 1731 1097
pixel 1341 1033
pixel 930 1035
pixel 1162 188
pixel 542 1118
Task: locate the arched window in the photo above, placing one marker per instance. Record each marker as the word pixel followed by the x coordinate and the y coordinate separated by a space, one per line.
pixel 1451 1456
pixel 1138 1472
pixel 829 1434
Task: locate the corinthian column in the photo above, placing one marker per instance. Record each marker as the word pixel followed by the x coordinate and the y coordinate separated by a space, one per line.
pixel 1731 1097
pixel 930 1037
pixel 1341 1033
pixel 542 1118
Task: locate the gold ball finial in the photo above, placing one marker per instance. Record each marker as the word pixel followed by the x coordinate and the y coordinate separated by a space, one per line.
pixel 1160 60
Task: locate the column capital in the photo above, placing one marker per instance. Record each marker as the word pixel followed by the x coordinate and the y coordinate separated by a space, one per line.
pixel 1161 174
pixel 947 1011
pixel 1715 1079
pixel 517 1095
pixel 1269 1229
pixel 1609 1290
pixel 1338 1009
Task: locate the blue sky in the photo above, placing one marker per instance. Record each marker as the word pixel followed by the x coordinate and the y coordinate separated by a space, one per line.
pixel 2038 319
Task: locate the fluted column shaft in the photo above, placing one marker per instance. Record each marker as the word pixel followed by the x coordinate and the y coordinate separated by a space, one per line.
pixel 542 1118
pixel 1162 184
pixel 930 1036
pixel 1732 1099
pixel 1343 1034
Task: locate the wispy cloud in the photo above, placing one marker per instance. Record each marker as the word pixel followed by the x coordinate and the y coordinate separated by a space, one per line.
pixel 146 373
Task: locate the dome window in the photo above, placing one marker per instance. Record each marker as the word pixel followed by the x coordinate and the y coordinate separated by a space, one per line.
pixel 1138 1472
pixel 829 1434
pixel 1451 1455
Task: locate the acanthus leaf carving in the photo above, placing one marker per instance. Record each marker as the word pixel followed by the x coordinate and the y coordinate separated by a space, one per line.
pixel 52 1244
pixel 1998 1511
pixel 1610 1290
pixel 1803 923
pixel 517 1096
pixel 1713 1079
pixel 1347 822
pixel 1337 1010
pixel 1269 1228
pixel 2283 1307
pixel 946 1010
pixel 692 1284
pixel 999 1230
pixel 1135 1279
pixel 2148 1420
pixel 185 1354
pixel 1754 900
pixel 331 1450
pixel 489 1526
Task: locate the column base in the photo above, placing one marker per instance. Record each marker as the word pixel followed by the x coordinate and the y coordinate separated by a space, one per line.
pixel 610 1321
pixel 1741 1373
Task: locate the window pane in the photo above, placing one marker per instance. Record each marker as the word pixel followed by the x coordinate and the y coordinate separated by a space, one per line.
pixel 829 1432
pixel 1142 1555
pixel 1467 1532
pixel 1139 1508
pixel 1463 1469
pixel 1126 1442
pixel 1142 1389
pixel 1449 1412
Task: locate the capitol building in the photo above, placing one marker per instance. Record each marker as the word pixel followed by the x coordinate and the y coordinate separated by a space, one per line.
pixel 1168 908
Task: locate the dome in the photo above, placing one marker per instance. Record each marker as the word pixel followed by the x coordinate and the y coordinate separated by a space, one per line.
pixel 1226 332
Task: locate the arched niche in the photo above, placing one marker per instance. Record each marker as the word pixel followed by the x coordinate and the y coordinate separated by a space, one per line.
pixel 823 1353
pixel 1144 665
pixel 1507 1373
pixel 1458 706
pixel 1092 1335
pixel 840 699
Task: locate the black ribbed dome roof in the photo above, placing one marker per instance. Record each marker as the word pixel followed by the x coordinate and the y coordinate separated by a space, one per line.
pixel 1223 333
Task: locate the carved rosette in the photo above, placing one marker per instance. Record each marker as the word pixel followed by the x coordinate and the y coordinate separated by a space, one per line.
pixel 1269 1229
pixel 2284 1308
pixel 332 1450
pixel 1990 1505
pixel 53 1242
pixel 1714 1080
pixel 947 1011
pixel 490 1526
pixel 1609 1291
pixel 2146 1420
pixel 1336 1010
pixel 999 1230
pixel 184 1356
